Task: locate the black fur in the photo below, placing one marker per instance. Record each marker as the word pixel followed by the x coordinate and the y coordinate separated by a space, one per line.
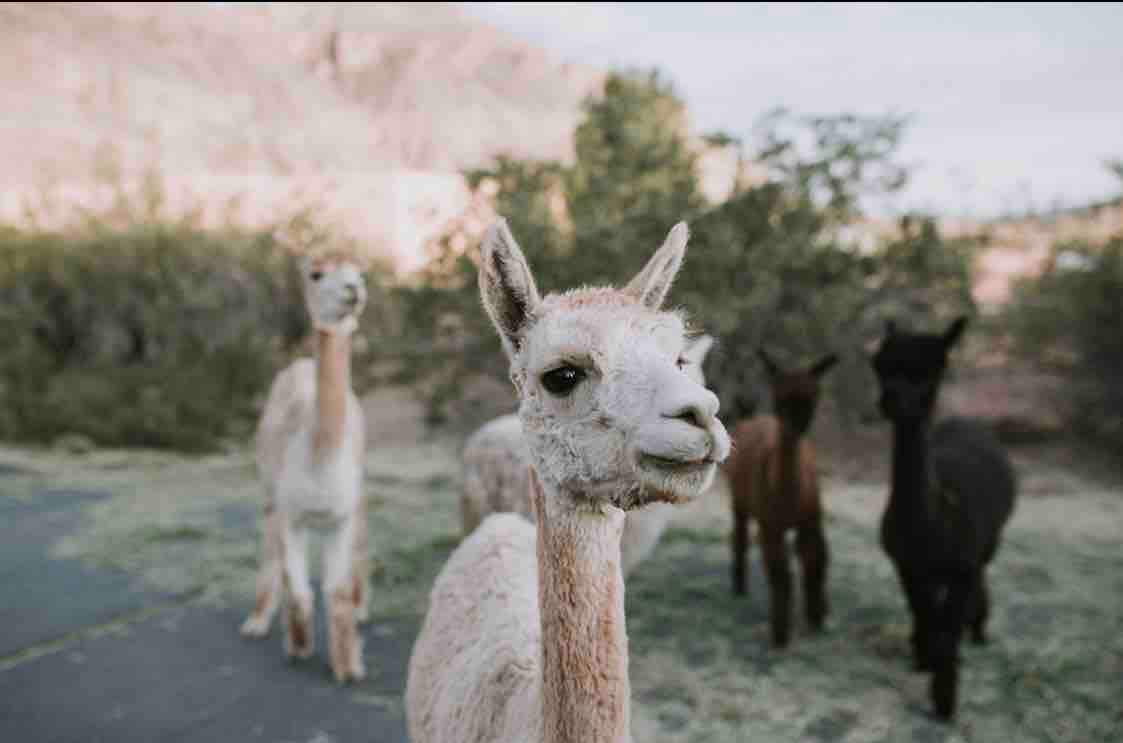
pixel 953 491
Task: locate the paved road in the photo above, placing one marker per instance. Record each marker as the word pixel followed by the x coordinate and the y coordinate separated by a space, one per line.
pixel 88 655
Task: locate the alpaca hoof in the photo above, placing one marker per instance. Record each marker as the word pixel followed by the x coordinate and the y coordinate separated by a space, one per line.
pixel 255 626
pixel 351 674
pixel 943 693
pixel 298 647
pixel 298 652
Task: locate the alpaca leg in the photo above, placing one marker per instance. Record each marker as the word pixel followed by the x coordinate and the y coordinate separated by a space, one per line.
pixel 361 578
pixel 269 579
pixel 951 617
pixel 814 557
pixel 299 639
pixel 740 551
pixel 918 593
pixel 779 583
pixel 343 632
pixel 982 611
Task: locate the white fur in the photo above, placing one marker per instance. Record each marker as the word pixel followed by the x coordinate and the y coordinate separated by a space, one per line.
pixel 481 669
pixel 483 621
pixel 315 491
pixel 494 464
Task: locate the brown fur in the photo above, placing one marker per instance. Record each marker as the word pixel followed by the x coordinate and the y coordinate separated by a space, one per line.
pixel 584 641
pixel 344 635
pixel 774 481
pixel 298 637
pixel 360 576
pixel 333 382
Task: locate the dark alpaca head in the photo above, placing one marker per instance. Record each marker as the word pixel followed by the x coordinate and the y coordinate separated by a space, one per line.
pixel 795 394
pixel 910 367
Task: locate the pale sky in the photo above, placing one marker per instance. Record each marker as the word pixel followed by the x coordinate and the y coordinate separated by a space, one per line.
pixel 1011 104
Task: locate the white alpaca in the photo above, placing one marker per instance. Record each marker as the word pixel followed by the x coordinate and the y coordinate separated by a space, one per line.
pixel 524 639
pixel 310 448
pixel 495 460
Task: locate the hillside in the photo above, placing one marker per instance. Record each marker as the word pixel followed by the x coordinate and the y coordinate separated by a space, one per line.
pixel 364 113
pixel 369 109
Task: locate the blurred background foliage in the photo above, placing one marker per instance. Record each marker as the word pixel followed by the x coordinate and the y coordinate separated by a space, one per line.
pixel 157 334
pixel 1067 320
pixel 145 331
pixel 771 265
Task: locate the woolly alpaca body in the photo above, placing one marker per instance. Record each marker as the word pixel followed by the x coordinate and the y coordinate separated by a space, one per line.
pixel 496 480
pixel 495 461
pixel 953 491
pixel 310 448
pixel 498 623
pixel 524 639
pixel 774 481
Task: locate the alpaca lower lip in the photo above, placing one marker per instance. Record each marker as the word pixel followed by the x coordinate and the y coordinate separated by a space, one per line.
pixel 675 464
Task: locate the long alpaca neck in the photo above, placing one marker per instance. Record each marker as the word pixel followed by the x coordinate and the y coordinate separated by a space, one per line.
pixel 333 383
pixel 581 602
pixel 789 465
pixel 910 465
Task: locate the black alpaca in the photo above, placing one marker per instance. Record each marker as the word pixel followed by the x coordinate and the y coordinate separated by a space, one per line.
pixel 952 492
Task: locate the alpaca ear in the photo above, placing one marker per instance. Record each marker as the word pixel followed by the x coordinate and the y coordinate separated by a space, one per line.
pixel 954 331
pixel 506 285
pixel 769 365
pixel 890 327
pixel 650 286
pixel 697 348
pixel 824 364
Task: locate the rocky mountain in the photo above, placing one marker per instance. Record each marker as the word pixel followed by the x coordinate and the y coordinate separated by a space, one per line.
pixel 367 110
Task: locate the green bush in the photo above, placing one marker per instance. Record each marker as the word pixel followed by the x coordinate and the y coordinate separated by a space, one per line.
pixel 151 335
pixel 155 332
pixel 770 265
pixel 1067 319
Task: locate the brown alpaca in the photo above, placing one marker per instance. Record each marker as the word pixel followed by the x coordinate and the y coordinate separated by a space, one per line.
pixel 773 480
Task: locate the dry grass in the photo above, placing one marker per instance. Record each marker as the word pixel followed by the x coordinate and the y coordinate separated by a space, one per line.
pixel 702 669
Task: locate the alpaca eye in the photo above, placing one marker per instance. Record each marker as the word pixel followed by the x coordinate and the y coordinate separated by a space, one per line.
pixel 561 381
pixel 317 275
pixel 681 363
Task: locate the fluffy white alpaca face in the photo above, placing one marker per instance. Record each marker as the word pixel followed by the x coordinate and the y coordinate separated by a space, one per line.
pixel 694 355
pixel 611 400
pixel 334 293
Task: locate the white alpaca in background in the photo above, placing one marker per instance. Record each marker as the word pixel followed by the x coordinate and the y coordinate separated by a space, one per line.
pixel 310 448
pixel 494 464
pixel 524 639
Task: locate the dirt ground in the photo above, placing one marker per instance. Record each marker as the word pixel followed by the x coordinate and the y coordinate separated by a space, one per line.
pixel 701 666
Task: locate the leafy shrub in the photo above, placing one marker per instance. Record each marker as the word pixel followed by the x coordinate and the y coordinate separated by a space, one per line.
pixel 154 334
pixel 1067 319
pixel 770 265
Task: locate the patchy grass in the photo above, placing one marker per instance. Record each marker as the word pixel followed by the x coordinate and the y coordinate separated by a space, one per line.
pixel 701 665
pixel 701 657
